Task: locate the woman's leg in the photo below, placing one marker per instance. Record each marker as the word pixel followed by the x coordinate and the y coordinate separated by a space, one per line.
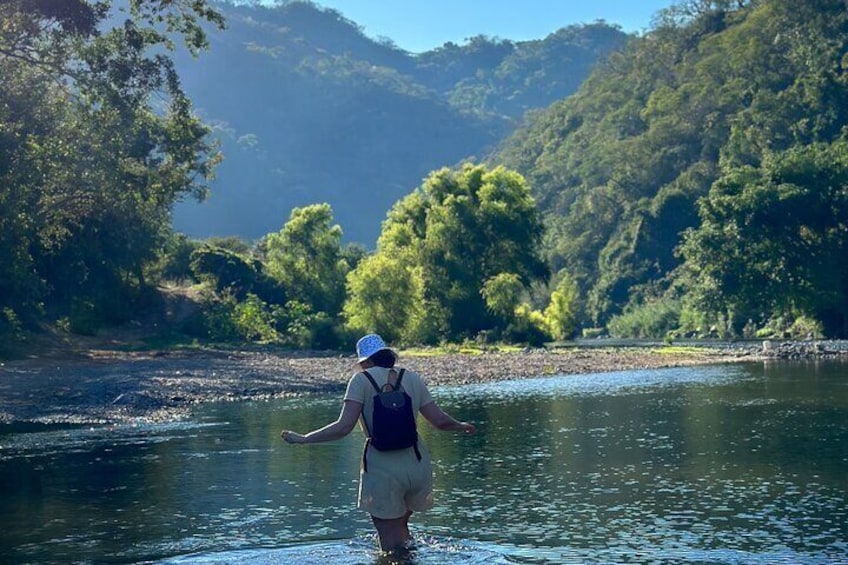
pixel 406 525
pixel 393 533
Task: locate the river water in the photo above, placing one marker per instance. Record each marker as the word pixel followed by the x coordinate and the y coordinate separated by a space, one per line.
pixel 721 464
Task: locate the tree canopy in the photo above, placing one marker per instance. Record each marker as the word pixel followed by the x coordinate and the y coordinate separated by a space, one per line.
pixel 439 247
pixel 97 142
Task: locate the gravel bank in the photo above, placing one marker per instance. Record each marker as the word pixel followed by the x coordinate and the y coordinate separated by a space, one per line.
pixel 103 386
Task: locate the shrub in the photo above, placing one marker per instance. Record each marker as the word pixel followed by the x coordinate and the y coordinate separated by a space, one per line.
pixel 174 262
pixel 791 327
pixel 254 321
pixel 529 326
pixel 224 269
pixel 561 313
pixel 216 318
pixel 651 319
pixel 84 318
pixel 10 324
pixel 806 328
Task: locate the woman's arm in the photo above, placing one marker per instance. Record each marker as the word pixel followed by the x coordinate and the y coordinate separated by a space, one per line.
pixel 337 430
pixel 439 419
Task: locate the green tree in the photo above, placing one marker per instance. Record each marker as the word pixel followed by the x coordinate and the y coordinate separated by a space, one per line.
pixel 618 168
pixel 306 258
pixel 773 239
pixel 457 231
pixel 97 142
pixel 502 294
pixel 562 313
pixel 386 297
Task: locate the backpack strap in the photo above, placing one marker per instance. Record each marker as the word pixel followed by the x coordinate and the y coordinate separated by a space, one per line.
pixel 397 386
pixel 373 382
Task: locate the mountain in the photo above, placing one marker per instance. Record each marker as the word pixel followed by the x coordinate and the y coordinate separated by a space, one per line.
pixel 684 160
pixel 308 109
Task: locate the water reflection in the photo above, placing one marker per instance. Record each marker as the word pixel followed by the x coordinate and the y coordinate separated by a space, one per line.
pixel 732 464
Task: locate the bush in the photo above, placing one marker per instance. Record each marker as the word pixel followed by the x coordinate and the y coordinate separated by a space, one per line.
pixel 254 321
pixel 83 319
pixel 529 326
pixel 225 318
pixel 175 261
pixel 789 327
pixel 10 324
pixel 653 319
pixel 216 319
pixel 694 323
pixel 302 328
pixel 806 328
pixel 224 269
pixel 561 312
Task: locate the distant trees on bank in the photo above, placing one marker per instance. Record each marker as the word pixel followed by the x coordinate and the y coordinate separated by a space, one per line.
pixel 457 259
pixel 695 185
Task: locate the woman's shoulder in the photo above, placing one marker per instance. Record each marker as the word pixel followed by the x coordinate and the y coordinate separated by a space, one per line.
pixel 410 375
pixel 356 377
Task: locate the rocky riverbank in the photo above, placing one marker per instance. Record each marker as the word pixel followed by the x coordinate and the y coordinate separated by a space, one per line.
pixel 108 386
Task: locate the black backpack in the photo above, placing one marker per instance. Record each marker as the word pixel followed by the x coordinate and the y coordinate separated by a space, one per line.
pixel 393 420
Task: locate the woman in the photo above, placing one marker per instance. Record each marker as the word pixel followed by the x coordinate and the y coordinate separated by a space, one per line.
pixel 393 483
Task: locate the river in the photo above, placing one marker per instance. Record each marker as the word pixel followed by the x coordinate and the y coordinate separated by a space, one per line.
pixel 742 463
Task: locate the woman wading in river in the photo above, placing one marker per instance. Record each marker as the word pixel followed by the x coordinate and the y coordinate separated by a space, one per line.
pixel 396 477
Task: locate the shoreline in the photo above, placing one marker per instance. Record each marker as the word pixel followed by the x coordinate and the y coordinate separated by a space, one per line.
pixel 105 386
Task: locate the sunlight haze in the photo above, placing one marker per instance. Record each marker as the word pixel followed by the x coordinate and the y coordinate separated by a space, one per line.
pixel 418 26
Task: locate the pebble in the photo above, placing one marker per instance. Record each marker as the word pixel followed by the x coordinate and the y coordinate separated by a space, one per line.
pixel 161 386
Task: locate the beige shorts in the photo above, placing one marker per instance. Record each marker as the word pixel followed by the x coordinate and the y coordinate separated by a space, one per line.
pixel 396 483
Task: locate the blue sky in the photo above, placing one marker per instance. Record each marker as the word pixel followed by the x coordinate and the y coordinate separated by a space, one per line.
pixel 420 25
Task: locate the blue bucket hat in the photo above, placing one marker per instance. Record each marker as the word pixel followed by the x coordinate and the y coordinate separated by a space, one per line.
pixel 369 345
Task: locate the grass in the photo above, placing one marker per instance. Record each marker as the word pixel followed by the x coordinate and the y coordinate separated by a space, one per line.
pixel 458 350
pixel 678 350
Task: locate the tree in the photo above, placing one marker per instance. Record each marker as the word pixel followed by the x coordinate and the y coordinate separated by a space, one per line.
pixel 618 168
pixel 305 257
pixel 773 239
pixel 457 231
pixel 561 314
pixel 97 143
pixel 502 294
pixel 385 296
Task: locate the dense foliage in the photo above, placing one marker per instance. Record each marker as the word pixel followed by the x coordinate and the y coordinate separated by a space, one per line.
pixel 97 142
pixel 439 250
pixel 701 170
pixel 695 184
pixel 456 260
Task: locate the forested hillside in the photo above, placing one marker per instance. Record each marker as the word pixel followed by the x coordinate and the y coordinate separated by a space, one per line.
pixel 309 109
pixel 695 184
pixel 699 178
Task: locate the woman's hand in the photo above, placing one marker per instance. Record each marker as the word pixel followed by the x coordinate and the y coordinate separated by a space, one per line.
pixel 291 437
pixel 467 427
